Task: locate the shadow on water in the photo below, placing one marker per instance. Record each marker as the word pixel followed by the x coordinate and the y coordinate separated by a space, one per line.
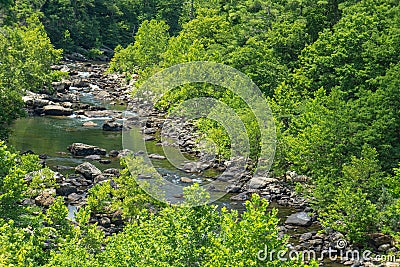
pixel 52 136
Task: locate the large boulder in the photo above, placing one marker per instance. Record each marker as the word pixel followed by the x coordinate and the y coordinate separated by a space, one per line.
pixel 88 170
pixel 112 125
pixel 56 110
pixel 299 219
pixel 83 150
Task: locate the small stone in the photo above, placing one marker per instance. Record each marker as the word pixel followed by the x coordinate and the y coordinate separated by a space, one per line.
pixel 380 239
pixel 305 237
pixel 93 157
pixel 112 171
pixel 113 153
pixel 233 188
pixel 261 182
pixel 112 125
pixel 186 180
pixel 89 124
pixel 46 197
pixel 105 221
pixel 149 131
pixel 299 219
pixel 384 247
pixel 241 197
pixel 28 202
pixel 74 197
pixel 43 156
pixel 101 178
pixel 65 189
pixel 156 156
pixel 316 242
pixel 148 138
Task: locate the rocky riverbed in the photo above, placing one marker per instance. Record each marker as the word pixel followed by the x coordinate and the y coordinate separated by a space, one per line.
pixel 97 101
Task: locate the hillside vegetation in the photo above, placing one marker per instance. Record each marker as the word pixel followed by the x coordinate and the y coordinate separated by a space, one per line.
pixel 329 70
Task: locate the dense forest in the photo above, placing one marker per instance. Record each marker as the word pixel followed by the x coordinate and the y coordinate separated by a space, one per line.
pixel 328 69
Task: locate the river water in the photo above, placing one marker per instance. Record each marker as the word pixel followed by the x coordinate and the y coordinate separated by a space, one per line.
pixel 52 135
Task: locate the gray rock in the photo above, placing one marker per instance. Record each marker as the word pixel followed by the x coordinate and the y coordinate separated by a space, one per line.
pixel 28 202
pixel 233 188
pixel 105 221
pixel 80 83
pixel 316 242
pixel 299 219
pixel 305 237
pixel 56 110
pixel 28 99
pixel 61 86
pixel 149 131
pixel 112 171
pixel 63 168
pixel 88 170
pixel 93 157
pixel 241 197
pixel 43 156
pixel 186 180
pixel 124 153
pixel 39 103
pixel 74 197
pixel 69 98
pixel 81 150
pixel 102 178
pixel 46 197
pixel 89 124
pixel 148 138
pixel 65 189
pixel 113 153
pixel 195 166
pixel 292 176
pixel 380 239
pixel 384 247
pixel 112 126
pixel 261 182
pixel 156 156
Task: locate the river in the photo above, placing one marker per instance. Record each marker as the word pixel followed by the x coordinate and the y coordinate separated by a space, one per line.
pixel 51 135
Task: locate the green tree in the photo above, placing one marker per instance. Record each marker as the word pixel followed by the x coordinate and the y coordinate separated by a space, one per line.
pixel 26 55
pixel 150 42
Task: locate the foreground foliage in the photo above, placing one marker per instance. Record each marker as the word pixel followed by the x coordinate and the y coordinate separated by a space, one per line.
pixel 26 55
pixel 173 236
